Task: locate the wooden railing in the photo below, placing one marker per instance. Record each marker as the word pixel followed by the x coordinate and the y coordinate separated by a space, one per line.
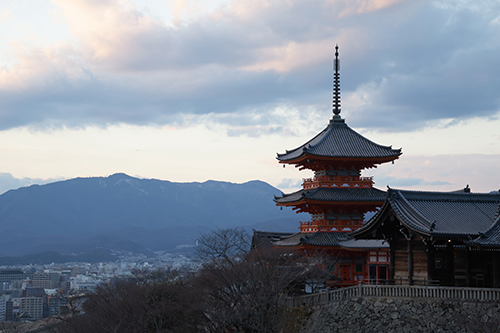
pixel 361 290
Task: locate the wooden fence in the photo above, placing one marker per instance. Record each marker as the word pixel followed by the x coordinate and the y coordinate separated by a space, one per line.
pixel 361 290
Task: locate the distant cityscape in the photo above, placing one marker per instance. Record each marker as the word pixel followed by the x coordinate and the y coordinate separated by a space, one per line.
pixel 36 291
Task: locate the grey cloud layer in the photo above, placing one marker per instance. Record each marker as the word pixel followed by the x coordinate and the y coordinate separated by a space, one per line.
pixel 409 63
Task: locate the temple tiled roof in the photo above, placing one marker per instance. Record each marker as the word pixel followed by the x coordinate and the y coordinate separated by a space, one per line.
pixel 314 239
pixel 260 238
pixel 339 140
pixel 291 240
pixel 491 237
pixel 364 244
pixel 439 213
pixel 327 239
pixel 334 194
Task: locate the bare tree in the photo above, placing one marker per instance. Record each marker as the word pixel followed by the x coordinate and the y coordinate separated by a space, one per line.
pixel 227 244
pixel 247 294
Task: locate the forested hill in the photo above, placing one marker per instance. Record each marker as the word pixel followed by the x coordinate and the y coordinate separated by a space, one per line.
pixel 127 213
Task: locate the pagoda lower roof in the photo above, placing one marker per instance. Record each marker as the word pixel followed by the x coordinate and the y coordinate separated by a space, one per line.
pixel 436 214
pixel 328 239
pixel 338 140
pixel 334 194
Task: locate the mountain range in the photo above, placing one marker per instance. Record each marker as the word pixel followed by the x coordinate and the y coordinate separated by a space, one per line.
pixel 120 212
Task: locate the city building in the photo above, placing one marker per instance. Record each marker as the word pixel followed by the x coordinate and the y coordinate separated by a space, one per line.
pixel 46 279
pixel 9 275
pixel 55 304
pixel 31 308
pixel 3 307
pixel 33 304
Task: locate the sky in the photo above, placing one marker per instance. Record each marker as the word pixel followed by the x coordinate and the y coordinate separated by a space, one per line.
pixel 187 91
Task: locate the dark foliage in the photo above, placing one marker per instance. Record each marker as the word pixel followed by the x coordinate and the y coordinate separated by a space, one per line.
pixel 157 302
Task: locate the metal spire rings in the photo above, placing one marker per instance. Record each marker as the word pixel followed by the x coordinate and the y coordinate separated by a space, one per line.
pixel 336 83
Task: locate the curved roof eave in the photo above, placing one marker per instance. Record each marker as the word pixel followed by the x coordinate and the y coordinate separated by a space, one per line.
pixel 330 144
pixel 368 225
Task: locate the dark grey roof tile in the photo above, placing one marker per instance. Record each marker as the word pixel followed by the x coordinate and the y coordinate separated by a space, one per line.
pixel 335 194
pixel 339 140
pixel 445 213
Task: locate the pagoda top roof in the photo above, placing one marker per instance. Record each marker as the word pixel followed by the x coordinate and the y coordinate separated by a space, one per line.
pixel 436 214
pixel 338 140
pixel 334 194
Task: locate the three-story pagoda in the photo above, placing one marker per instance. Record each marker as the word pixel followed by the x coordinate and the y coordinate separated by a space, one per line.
pixel 337 197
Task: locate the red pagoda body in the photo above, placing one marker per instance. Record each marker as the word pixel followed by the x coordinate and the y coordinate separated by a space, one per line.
pixel 337 196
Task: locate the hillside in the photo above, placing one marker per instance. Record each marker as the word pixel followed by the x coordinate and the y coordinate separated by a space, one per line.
pixel 127 213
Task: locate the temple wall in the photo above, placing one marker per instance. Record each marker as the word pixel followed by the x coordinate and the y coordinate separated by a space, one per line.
pixel 403 315
pixel 401 264
pixel 419 262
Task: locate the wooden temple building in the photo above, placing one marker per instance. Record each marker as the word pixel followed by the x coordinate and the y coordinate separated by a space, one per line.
pixel 442 238
pixel 337 197
pixel 415 238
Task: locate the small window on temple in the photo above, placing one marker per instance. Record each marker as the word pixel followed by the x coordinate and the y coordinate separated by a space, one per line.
pixel 359 268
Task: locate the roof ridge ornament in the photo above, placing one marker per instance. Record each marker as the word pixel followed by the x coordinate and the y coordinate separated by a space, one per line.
pixel 336 84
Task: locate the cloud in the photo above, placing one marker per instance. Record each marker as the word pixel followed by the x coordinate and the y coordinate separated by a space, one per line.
pixel 409 181
pixel 5 15
pixel 235 64
pixel 366 6
pixel 8 182
pixel 441 172
pixel 289 183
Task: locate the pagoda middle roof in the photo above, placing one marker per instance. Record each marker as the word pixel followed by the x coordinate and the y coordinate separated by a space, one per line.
pixel 437 214
pixel 339 194
pixel 339 140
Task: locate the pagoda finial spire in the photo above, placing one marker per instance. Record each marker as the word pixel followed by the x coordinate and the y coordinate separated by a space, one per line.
pixel 336 84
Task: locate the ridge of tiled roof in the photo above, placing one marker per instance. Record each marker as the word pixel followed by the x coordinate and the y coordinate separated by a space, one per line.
pixel 364 244
pixel 272 233
pixel 339 140
pixel 444 213
pixel 328 239
pixel 334 194
pixel 291 240
pixel 442 195
pixel 325 238
pixel 497 214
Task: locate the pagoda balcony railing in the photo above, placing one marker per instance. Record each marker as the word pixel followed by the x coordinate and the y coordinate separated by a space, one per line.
pixel 395 291
pixel 337 181
pixel 313 226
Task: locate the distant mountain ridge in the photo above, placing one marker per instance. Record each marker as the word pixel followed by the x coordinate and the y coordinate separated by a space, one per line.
pixel 127 213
